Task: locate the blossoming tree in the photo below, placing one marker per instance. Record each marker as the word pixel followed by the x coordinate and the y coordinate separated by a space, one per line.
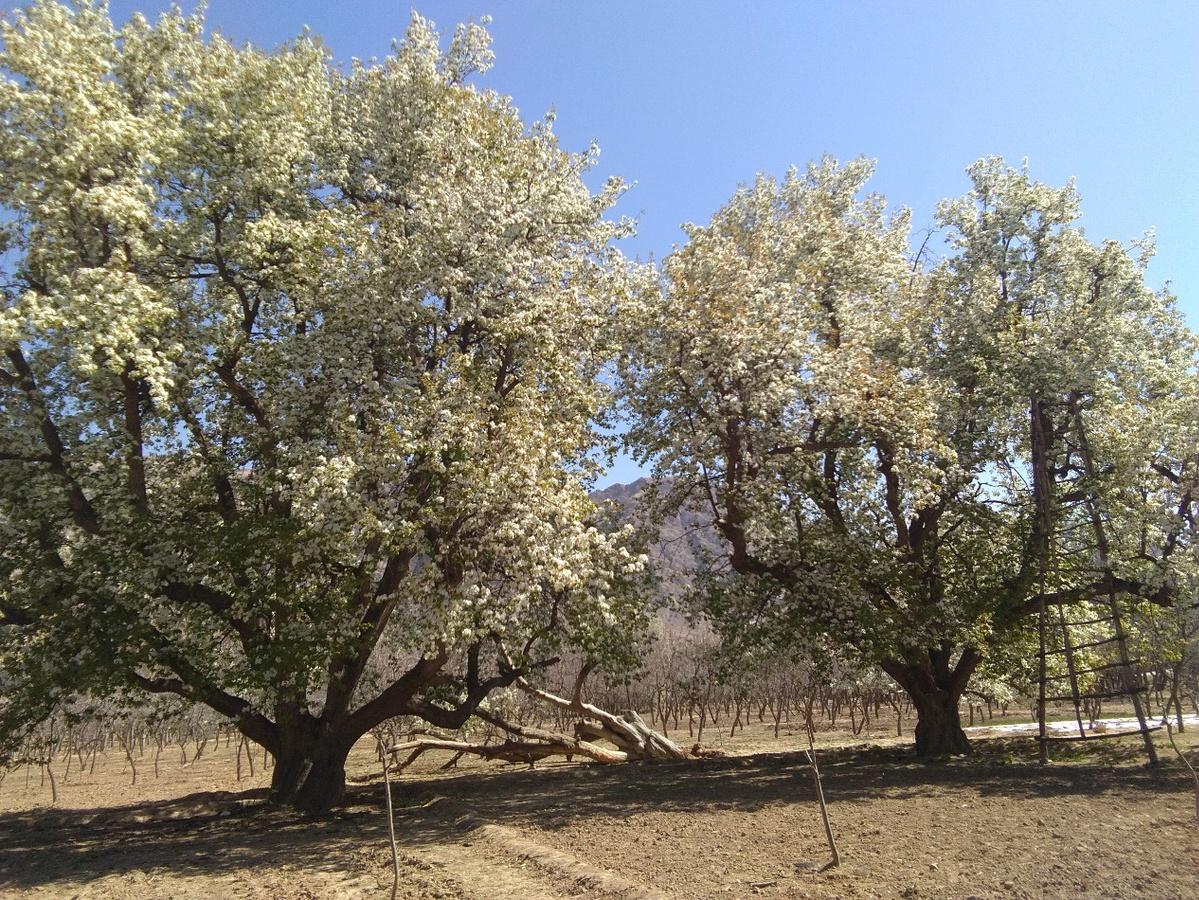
pixel 890 451
pixel 297 372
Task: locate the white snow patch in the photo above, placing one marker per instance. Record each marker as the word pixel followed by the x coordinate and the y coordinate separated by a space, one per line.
pixel 1098 728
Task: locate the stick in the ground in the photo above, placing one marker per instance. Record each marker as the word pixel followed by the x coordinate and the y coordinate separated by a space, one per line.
pixel 828 828
pixel 1187 763
pixel 53 783
pixel 391 826
pixel 127 745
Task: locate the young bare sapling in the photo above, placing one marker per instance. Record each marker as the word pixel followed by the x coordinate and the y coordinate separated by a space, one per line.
pixel 828 828
pixel 1187 763
pixel 391 825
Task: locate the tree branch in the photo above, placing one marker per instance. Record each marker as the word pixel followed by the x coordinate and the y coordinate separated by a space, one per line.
pixel 253 725
pixel 220 604
pixel 135 460
pixel 82 511
pixel 396 700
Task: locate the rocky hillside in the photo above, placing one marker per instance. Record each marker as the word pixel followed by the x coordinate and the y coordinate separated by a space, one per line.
pixel 685 540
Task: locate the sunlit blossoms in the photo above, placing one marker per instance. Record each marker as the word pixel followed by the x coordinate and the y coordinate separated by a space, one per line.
pixel 858 420
pixel 300 375
pixel 306 370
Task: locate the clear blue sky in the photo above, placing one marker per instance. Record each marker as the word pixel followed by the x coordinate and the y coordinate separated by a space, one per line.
pixel 689 99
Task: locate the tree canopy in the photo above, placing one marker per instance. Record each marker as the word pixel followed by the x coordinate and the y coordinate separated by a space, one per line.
pixel 304 369
pixel 299 379
pixel 906 458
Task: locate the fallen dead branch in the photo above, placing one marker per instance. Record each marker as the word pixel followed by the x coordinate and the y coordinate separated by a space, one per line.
pixel 509 751
pixel 628 731
pixel 528 746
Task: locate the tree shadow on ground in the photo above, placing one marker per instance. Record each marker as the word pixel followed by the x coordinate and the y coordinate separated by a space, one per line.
pixel 214 834
pixel 44 847
pixel 1001 767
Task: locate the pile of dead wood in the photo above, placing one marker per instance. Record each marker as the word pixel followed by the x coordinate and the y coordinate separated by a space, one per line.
pixel 627 734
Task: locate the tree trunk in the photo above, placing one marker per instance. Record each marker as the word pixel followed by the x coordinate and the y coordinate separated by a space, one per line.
pixel 935 687
pixel 325 784
pixel 310 766
pixel 939 725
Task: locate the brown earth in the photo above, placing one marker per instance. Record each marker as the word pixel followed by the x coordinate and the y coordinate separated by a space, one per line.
pixel 995 825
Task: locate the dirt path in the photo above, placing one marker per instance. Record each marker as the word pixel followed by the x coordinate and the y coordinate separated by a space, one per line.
pixel 476 874
pixel 486 861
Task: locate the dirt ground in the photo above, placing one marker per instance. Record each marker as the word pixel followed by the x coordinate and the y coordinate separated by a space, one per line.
pixel 746 825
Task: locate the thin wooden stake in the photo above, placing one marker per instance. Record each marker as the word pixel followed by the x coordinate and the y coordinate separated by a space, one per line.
pixel 828 828
pixel 1190 768
pixel 391 825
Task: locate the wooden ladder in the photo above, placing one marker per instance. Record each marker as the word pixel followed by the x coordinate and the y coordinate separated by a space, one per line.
pixel 1063 644
pixel 1129 685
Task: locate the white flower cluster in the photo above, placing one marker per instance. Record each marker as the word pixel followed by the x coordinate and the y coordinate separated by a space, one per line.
pixel 318 349
pixel 855 418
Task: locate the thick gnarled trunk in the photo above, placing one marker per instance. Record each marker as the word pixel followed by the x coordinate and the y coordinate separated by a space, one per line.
pixel 935 689
pixel 310 764
pixel 311 751
pixel 939 725
pixel 324 781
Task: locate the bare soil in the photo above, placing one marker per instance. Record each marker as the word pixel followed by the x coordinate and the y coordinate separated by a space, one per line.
pixel 1095 823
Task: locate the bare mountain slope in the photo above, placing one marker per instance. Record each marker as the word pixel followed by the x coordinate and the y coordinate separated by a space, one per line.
pixel 684 541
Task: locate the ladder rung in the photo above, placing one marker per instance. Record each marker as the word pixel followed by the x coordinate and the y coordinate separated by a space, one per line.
pixel 1087 622
pixel 1095 736
pixel 1104 668
pixel 1082 646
